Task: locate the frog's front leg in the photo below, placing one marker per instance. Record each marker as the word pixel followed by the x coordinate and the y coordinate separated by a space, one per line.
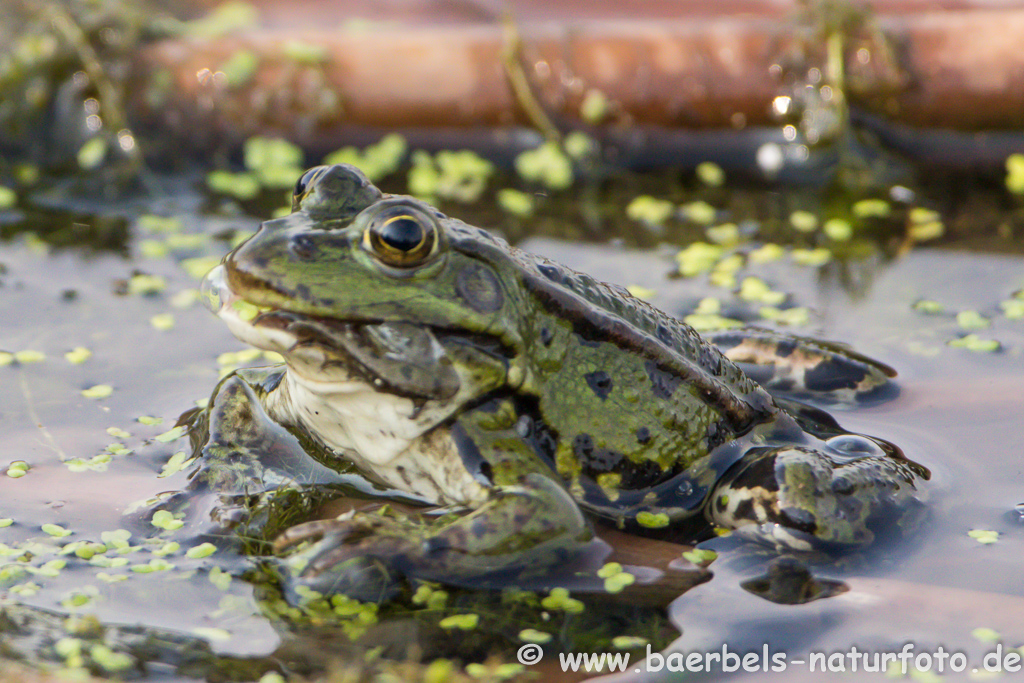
pixel 527 523
pixel 801 498
pixel 247 469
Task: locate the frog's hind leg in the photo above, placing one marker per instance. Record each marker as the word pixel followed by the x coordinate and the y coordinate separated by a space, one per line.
pixel 804 499
pixel 801 367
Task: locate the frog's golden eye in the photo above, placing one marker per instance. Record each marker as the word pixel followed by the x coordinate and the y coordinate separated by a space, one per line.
pixel 402 237
pixel 302 187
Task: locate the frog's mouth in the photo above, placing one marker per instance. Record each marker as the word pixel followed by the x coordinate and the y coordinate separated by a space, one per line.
pixel 392 357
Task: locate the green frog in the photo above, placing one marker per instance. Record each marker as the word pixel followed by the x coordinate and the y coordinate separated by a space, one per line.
pixel 511 403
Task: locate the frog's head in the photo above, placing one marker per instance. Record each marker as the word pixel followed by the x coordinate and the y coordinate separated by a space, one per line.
pixel 350 259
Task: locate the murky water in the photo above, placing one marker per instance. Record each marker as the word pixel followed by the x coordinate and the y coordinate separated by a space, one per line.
pixel 132 307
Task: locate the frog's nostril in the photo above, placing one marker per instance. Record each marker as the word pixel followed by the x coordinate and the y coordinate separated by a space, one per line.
pixel 303 246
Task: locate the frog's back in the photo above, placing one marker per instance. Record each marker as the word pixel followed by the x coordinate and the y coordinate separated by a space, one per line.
pixel 631 401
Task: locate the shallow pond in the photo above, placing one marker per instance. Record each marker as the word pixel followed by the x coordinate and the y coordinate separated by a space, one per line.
pixel 104 346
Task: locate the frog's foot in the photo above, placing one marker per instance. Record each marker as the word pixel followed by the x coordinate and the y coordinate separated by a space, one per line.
pixel 532 527
pixel 805 499
pixel 800 367
pixel 357 554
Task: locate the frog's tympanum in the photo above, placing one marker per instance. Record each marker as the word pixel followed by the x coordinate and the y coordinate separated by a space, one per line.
pixel 516 401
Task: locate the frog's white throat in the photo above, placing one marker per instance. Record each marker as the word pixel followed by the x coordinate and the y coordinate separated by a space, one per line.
pixel 390 438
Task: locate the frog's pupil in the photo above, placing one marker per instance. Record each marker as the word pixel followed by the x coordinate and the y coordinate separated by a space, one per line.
pixel 403 233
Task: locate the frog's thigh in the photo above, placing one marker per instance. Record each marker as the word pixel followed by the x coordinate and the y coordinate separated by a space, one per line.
pixel 800 366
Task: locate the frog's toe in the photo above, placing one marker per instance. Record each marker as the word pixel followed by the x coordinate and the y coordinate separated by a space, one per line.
pixel 353 554
pixel 366 579
pixel 345 528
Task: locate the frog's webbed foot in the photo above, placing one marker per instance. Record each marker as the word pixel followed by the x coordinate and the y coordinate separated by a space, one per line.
pixel 801 367
pixel 804 499
pixel 356 554
pixel 533 526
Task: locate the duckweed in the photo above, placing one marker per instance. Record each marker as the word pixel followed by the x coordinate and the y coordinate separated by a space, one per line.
pixel 532 635
pixel 17 469
pixel 924 224
pixel 647 209
pixel 984 536
pixel 972 320
pixel 243 186
pixel 928 307
pixel 795 317
pixel 8 197
pixel 1013 309
pixel 465 622
pixel 512 201
pixel 92 153
pixel 146 285
pixel 595 106
pixel 176 463
pixel 159 224
pixel 986 635
pixel 811 257
pixel 29 356
pixel 558 600
pixel 220 578
pixel 652 520
pixel 628 642
pixel 710 173
pixel 698 258
pixel 615 583
pixel 766 253
pixel 171 434
pixel 700 556
pixel 162 322
pixel 838 229
pixel 163 519
pixel 699 212
pixel 871 208
pixel 757 290
pixel 98 391
pixel 726 233
pixel 200 551
pixel 547 165
pixel 803 221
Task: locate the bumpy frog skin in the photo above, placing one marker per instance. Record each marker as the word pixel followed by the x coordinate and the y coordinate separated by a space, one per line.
pixel 518 401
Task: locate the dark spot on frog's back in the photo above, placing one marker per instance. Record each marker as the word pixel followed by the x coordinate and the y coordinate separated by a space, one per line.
pixel 665 335
pixel 600 383
pixel 479 288
pixel 829 376
pixel 663 383
pixel 594 460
